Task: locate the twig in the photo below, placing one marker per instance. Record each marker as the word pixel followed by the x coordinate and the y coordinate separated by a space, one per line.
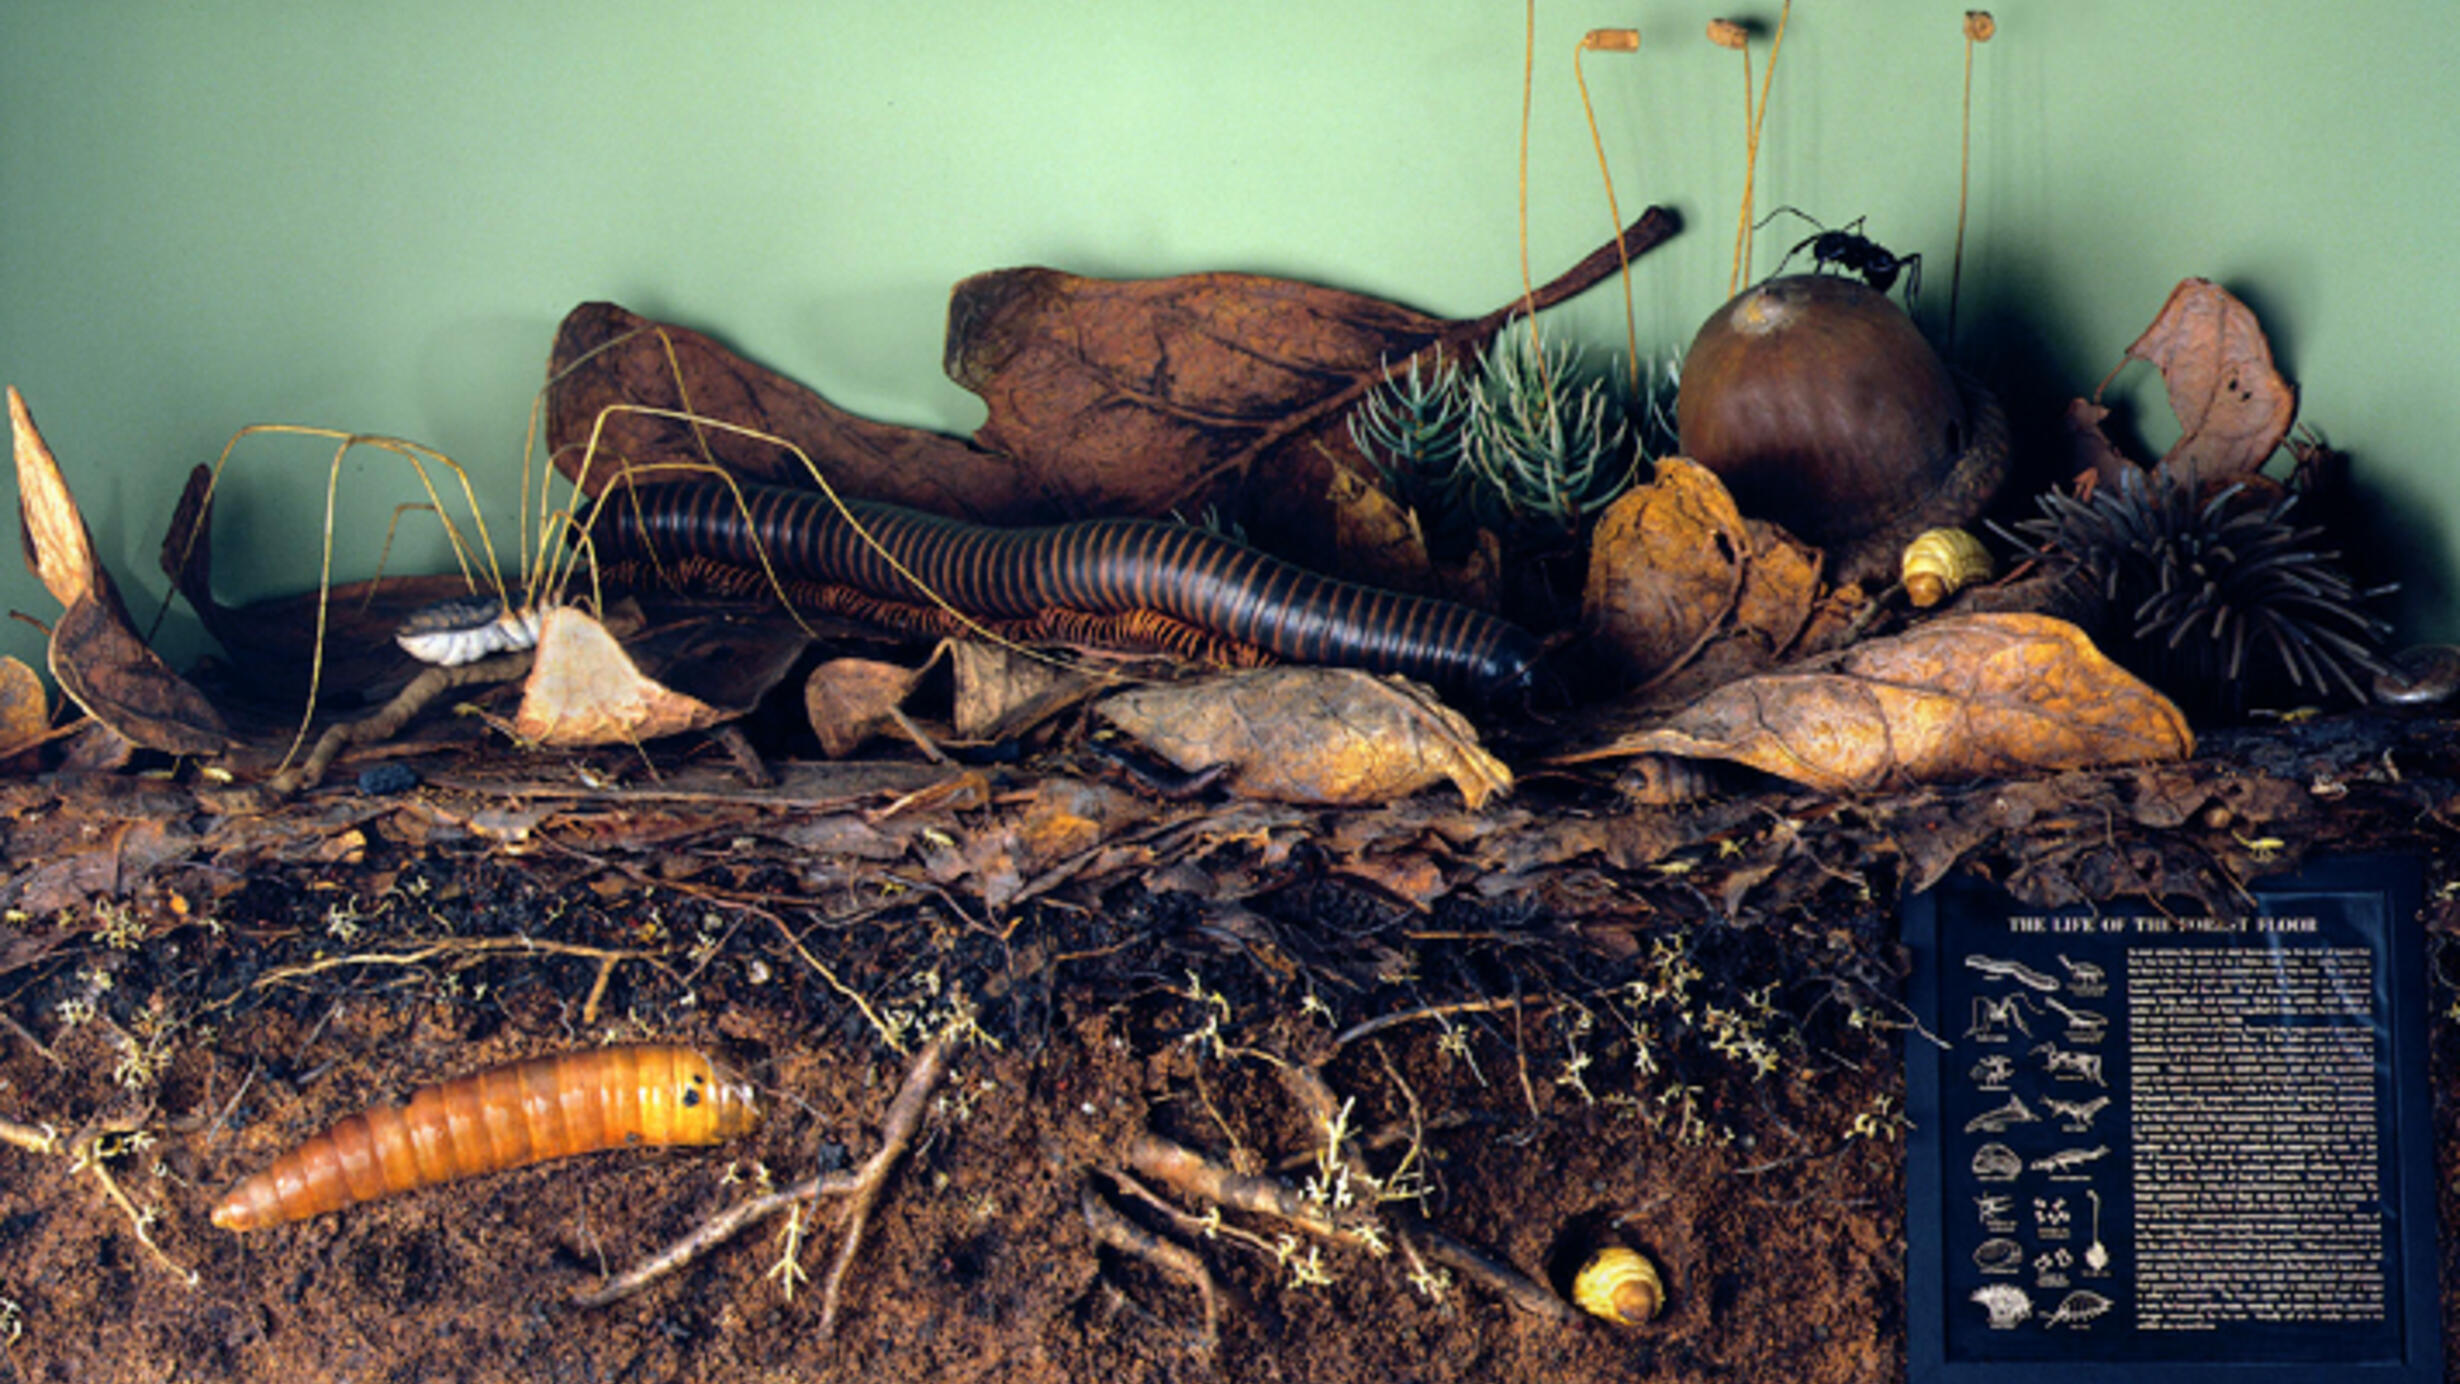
pixel 1378 1024
pixel 1117 1231
pixel 423 952
pixel 31 1138
pixel 88 1158
pixel 395 714
pixel 863 1186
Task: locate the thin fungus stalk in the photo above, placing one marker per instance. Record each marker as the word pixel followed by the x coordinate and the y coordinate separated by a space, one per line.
pixel 1979 26
pixel 1608 41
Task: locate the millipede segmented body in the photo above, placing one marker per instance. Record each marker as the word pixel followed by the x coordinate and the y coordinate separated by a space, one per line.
pixel 1105 566
pixel 504 1117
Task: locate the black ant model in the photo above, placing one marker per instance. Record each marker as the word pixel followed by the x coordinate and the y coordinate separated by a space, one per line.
pixel 1854 253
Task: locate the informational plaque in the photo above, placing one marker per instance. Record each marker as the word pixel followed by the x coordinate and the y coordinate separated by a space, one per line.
pixel 2150 1140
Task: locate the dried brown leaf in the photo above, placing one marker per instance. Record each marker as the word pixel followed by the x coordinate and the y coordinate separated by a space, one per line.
pixel 1376 539
pixel 1004 692
pixel 1962 697
pixel 2090 451
pixel 1676 571
pixel 1225 391
pixel 1331 736
pixel 58 548
pixel 25 713
pixel 606 356
pixel 583 689
pixel 100 662
pixel 2233 407
pixel 852 700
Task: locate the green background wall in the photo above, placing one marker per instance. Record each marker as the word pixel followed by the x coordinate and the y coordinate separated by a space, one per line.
pixel 371 216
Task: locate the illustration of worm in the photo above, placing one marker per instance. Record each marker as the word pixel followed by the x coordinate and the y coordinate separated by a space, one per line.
pixel 2005 968
pixel 1107 566
pixel 504 1117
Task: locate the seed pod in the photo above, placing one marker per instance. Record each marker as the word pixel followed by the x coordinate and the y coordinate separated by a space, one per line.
pixel 1941 562
pixel 1619 1285
pixel 505 1117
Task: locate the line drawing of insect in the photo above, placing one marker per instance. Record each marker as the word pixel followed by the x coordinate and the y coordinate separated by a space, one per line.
pixel 1851 251
pixel 503 1117
pixel 2077 1308
pixel 2008 1305
pixel 2007 968
pixel 2078 1113
pixel 1992 1017
pixel 2003 1118
pixel 2063 1065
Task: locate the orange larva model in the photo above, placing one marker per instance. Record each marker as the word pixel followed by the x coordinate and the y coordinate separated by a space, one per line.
pixel 504 1117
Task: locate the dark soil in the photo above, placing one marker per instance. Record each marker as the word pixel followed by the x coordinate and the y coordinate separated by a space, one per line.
pixel 1558 1024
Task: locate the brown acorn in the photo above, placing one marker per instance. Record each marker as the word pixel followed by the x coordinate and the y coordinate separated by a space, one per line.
pixel 1823 409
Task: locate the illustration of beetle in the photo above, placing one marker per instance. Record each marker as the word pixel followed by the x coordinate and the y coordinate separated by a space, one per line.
pixel 504 1117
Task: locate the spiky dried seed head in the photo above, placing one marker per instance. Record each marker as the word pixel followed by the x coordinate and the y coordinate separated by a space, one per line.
pixel 2215 599
pixel 1979 26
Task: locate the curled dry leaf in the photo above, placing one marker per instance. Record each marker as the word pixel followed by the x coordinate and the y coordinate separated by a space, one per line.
pixel 1962 697
pixel 25 715
pixel 2093 458
pixel 1003 692
pixel 1376 539
pixel 851 700
pixel 100 662
pixel 1329 736
pixel 1677 575
pixel 2233 406
pixel 583 689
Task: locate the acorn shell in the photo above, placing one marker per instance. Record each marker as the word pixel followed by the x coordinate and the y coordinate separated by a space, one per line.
pixel 1941 562
pixel 1619 1285
pixel 1822 408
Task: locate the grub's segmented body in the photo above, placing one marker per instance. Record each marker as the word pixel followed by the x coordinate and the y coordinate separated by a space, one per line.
pixel 1100 565
pixel 504 1117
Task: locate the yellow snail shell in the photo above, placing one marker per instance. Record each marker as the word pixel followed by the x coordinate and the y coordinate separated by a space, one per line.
pixel 1941 562
pixel 1619 1285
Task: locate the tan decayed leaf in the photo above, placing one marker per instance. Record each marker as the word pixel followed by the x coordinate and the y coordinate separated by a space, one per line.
pixel 1962 697
pixel 2233 407
pixel 25 714
pixel 1675 568
pixel 583 689
pixel 58 548
pixel 1376 539
pixel 850 700
pixel 1331 736
pixel 1003 692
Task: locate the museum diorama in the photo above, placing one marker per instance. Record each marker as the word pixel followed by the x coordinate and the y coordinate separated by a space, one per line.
pixel 1322 840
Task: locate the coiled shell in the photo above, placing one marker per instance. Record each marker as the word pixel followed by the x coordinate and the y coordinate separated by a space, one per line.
pixel 1619 1285
pixel 1941 562
pixel 504 1117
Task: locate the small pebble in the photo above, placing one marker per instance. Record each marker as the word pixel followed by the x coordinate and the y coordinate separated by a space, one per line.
pixel 385 780
pixel 2421 675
